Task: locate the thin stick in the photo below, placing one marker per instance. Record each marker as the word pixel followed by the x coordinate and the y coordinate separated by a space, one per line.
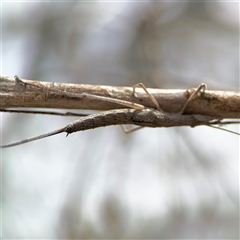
pixel 222 104
pixel 84 95
pixel 224 129
pixel 66 114
pixel 145 117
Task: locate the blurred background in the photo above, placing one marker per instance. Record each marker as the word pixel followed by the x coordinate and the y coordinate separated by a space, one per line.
pixel 178 183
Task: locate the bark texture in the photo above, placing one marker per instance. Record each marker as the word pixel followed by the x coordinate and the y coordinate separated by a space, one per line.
pixel 38 94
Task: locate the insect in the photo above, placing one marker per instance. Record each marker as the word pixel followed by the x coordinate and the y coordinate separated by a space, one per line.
pixel 135 114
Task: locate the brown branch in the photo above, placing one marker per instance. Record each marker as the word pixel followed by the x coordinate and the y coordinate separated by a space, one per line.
pixel 36 94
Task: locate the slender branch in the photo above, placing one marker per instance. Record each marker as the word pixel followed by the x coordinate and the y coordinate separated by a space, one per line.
pixel 64 114
pixel 36 94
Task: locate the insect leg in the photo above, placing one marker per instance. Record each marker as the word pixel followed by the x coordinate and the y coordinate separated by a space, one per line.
pixel 153 99
pixel 202 87
pixel 127 131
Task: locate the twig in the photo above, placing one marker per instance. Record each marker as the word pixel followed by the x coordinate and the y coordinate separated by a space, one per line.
pixel 145 117
pixel 64 114
pixel 28 93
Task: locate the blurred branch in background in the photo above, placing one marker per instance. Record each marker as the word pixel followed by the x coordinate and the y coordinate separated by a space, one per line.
pixel 103 184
